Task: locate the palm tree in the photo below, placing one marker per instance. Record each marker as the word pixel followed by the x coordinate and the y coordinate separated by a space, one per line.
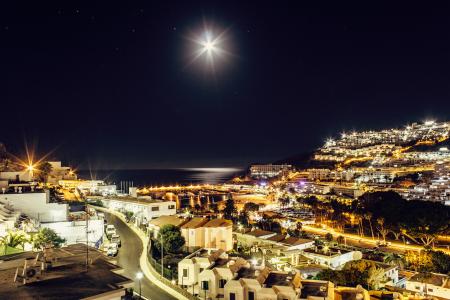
pixel 383 231
pixel 368 217
pixel 13 239
pixel 395 260
pixel 375 277
pixel 340 239
pixel 44 171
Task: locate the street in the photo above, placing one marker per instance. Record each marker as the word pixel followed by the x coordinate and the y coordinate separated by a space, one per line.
pixel 367 242
pixel 128 259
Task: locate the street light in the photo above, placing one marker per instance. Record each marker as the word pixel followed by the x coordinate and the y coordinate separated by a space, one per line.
pixel 139 276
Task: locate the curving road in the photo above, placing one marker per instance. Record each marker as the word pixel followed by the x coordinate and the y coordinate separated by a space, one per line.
pixel 128 259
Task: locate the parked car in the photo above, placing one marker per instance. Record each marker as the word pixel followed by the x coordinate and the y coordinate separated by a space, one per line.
pixel 115 238
pixel 112 250
pixel 110 230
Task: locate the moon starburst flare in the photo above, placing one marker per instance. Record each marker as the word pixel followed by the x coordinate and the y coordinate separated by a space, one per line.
pixel 210 46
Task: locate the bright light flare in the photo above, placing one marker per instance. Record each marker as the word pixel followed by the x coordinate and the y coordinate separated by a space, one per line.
pixel 210 46
pixel 139 275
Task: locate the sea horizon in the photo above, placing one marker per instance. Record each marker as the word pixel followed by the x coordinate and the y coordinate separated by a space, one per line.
pixel 162 176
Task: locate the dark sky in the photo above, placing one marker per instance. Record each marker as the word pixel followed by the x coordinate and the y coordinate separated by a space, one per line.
pixel 109 85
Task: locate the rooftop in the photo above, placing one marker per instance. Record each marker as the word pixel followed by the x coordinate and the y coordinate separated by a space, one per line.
pixel 138 200
pixel 167 220
pixel 67 278
pixel 278 278
pixel 259 233
pixel 435 279
pixel 277 238
pixel 194 223
pixel 293 241
pixel 218 223
pixel 315 288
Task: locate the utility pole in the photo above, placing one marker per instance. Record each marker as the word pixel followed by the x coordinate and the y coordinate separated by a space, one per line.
pixel 87 234
pixel 162 256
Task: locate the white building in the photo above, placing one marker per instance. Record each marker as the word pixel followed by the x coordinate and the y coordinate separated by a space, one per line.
pixel 155 225
pixel 331 257
pixel 8 218
pixel 437 285
pixel 192 265
pixel 143 208
pixel 75 231
pixel 23 175
pixel 204 233
pixel 80 184
pixel 269 171
pixel 36 205
pixel 60 172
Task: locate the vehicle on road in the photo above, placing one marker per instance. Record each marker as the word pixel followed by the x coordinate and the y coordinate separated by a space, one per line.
pixel 110 230
pixel 115 238
pixel 383 244
pixel 112 249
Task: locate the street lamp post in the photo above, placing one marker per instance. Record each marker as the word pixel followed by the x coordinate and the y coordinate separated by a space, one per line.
pixel 162 256
pixel 139 277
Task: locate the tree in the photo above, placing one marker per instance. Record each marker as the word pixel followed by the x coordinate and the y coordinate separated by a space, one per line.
pixel 171 237
pixel 395 260
pixel 382 229
pixel 368 217
pixel 128 215
pixel 250 206
pixel 440 262
pixel 214 208
pixel 229 210
pixel 340 239
pixel 13 239
pixel 375 276
pixel 294 233
pixel 45 169
pixel 329 237
pixel 418 261
pixel 243 218
pixel 284 202
pixel 47 238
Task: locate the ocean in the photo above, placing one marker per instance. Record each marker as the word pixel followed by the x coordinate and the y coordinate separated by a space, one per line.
pixel 158 177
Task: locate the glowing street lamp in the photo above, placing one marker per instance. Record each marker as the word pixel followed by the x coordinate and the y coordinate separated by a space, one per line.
pixel 31 168
pixel 139 276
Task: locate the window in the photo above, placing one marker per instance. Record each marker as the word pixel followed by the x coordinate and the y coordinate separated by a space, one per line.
pixel 232 296
pixel 205 285
pixel 251 295
pixel 430 290
pixel 155 208
pixel 201 270
pixel 222 283
pixel 171 206
pixel 185 273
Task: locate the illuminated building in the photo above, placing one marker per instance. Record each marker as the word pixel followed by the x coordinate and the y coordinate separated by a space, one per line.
pixel 269 171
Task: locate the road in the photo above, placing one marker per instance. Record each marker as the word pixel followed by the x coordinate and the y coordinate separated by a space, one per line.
pixel 365 242
pixel 128 259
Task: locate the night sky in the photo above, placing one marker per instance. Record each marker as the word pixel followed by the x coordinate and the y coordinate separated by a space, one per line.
pixel 111 86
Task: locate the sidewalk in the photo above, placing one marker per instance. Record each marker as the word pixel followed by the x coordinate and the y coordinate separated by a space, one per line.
pixel 146 268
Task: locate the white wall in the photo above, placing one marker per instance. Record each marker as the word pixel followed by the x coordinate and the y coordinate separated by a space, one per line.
pixel 75 231
pixel 36 206
pixel 432 290
pixel 23 175
pixel 144 209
